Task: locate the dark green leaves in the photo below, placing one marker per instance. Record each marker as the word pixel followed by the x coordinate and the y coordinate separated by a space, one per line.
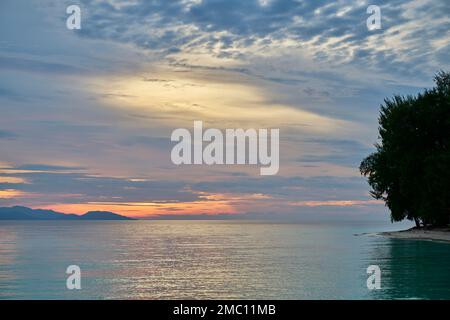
pixel 410 170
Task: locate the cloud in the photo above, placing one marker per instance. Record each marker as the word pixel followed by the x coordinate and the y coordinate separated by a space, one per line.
pixel 240 29
pixel 336 203
pixel 46 167
pixel 10 193
pixel 71 189
pixel 56 180
pixel 92 109
pixel 10 63
pixel 337 151
pixel 7 135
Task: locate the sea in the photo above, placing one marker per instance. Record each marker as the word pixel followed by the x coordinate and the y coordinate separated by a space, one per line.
pixel 192 259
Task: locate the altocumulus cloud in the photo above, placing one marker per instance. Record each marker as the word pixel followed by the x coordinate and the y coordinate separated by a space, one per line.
pixel 413 34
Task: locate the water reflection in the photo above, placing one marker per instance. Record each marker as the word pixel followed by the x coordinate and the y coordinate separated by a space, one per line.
pixel 214 260
pixel 413 269
pixel 8 259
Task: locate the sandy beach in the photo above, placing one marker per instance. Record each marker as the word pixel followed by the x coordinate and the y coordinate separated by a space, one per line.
pixel 437 234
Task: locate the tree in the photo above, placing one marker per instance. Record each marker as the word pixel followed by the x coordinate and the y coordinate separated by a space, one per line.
pixel 410 169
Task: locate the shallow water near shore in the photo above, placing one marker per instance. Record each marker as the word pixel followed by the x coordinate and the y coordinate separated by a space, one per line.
pixel 216 260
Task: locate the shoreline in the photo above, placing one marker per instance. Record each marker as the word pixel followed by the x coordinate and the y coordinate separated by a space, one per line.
pixel 434 234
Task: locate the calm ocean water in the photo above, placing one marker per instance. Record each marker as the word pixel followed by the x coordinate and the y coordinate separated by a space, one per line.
pixel 216 259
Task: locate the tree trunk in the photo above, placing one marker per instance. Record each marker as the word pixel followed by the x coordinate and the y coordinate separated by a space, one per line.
pixel 417 221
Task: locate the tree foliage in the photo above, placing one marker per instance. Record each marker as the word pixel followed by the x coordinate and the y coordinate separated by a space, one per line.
pixel 410 169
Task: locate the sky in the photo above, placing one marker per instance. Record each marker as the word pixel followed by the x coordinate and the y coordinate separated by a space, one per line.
pixel 86 115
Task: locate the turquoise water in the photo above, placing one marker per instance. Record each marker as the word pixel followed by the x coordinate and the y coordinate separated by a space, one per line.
pixel 216 260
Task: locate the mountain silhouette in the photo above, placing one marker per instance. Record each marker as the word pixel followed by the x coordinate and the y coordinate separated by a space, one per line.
pixel 24 213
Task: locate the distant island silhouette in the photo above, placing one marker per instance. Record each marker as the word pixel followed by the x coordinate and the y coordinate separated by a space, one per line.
pixel 24 213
